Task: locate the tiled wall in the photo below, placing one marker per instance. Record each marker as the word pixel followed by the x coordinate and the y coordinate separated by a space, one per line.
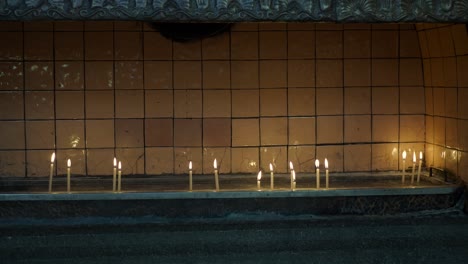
pixel 445 55
pixel 260 93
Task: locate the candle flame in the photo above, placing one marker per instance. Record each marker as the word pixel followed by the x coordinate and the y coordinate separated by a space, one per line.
pixel 115 162
pixel 326 163
pixel 271 167
pixel 259 176
pixel 414 156
pixel 52 158
pixel 291 167
pixel 317 163
pixel 68 163
pixel 215 164
pixel 120 165
pixel 190 165
pixel 420 155
pixel 404 155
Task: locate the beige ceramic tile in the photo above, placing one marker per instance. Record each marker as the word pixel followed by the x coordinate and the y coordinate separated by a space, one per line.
pixel 301 44
pixel 329 73
pixel 273 26
pixel 329 44
pixel 357 128
pixel 182 157
pixel 69 75
pixel 460 39
pixel 384 72
pixel 384 43
pixel 462 68
pixel 12 49
pixel 433 39
pixel 187 75
pixel 450 72
pixel 273 102
pixel 357 100
pixel 129 133
pixel 68 25
pixel 412 128
pixel 385 128
pixel 70 134
pixel 157 47
pixel 385 100
pixel 245 103
pixel 329 129
pixel 159 161
pixel 277 156
pixel 187 50
pixel 273 73
pixel 446 42
pixel 357 157
pixel 39 76
pixel 334 155
pixel 216 47
pixel 462 106
pixel 329 101
pixel 187 103
pixel 412 100
pixel 100 162
pixel 12 134
pixel 451 133
pixel 68 45
pixel 133 162
pixel 423 43
pixel 273 44
pixel 128 75
pixel 245 160
pixel 245 132
pixel 216 103
pixel 37 163
pixel 100 133
pixel 245 26
pixel 12 77
pixel 187 132
pixel 411 72
pixel 38 26
pixel 129 103
pixel 462 138
pixel 244 45
pixel 273 131
pixel 78 168
pixel 303 158
pixel 439 130
pixel 159 103
pixel 99 45
pixel 437 72
pixel 158 75
pixel 216 75
pixel 159 132
pixel 301 73
pixel 99 75
pixel 409 44
pixel 11 26
pixel 429 129
pixel 329 26
pixel 98 25
pixel 40 135
pixel 128 45
pixel 301 101
pixel 385 157
pixel 217 132
pixel 69 104
pixel 301 131
pixel 11 105
pixel 357 72
pixel 439 104
pixel 357 26
pixel 12 163
pixel 223 159
pixel 37 46
pixel 427 69
pixel 429 101
pixel 128 25
pixel 39 105
pixel 244 74
pixel 301 26
pixel 99 104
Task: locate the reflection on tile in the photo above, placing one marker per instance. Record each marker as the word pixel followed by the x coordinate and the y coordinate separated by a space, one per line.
pixel 357 157
pixel 70 134
pixel 277 156
pixel 182 158
pixel 77 158
pixel 69 76
pixel 334 154
pixel 100 133
pixel 39 76
pixel 303 158
pixel 11 77
pixel 133 161
pixel 385 157
pixel 223 159
pixel 100 162
pixel 245 160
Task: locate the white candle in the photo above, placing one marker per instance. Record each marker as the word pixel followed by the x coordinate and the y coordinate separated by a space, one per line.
pixel 317 173
pixel 68 176
pixel 114 175
pixel 51 175
pixel 326 174
pixel 272 178
pixel 404 169
pixel 119 178
pixel 293 175
pixel 190 176
pixel 259 177
pixel 414 166
pixel 215 165
pixel 419 167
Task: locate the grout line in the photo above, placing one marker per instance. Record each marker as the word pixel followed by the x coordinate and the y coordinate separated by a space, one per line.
pixel 25 155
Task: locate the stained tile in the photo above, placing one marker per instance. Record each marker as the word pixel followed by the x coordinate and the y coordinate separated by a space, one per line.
pixel 69 134
pixel 129 133
pixel 11 105
pixel 99 75
pixel 159 103
pixel 245 160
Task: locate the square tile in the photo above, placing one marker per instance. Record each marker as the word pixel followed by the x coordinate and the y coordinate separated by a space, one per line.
pixel 98 25
pixel 273 26
pixel 385 128
pixel 245 26
pixel 451 132
pixel 245 132
pixel 158 75
pixel 301 131
pixel 36 163
pixel 301 101
pixel 128 75
pixel 446 42
pixel 244 74
pixel 37 46
pixel 12 77
pixel 128 45
pixel 301 26
pixel 129 133
pixel 409 44
pixel 38 26
pixel 223 158
pixel 187 50
pixel 460 39
pixel 99 162
pixel 410 72
pixel 159 103
pixel 129 103
pixel 78 168
pixel 187 132
pixel 357 128
pixel 385 43
pixel 384 72
pixel 245 160
pixel 424 45
pixel 273 102
pixel 128 25
pixel 217 132
pixel 216 47
pixel 273 45
pixel 244 45
pixel 329 26
pixel 357 100
pixel 433 41
pixel 159 161
pixel 301 44
pixel 39 76
pixel 187 75
pixel 412 128
pixel 329 129
pixel 11 26
pixel 69 134
pixel 11 105
pixel 357 72
pixel 183 156
pixel 12 163
pixel 133 162
pixel 412 100
pixel 40 135
pixel 159 132
pixel 385 157
pixel 360 162
pixel 450 71
pixel 273 131
pixel 69 105
pixel 99 104
pixel 329 73
pixel 357 43
pixel 334 155
pixel 99 75
pixel 216 75
pixel 245 103
pixel 429 129
pixel 301 73
pixel 329 44
pixel 157 47
pixel 12 49
pixel 385 100
pixel 100 133
pixel 462 107
pixel 99 45
pixel 303 158
pixel 437 72
pixel 187 103
pixel 68 45
pixel 68 25
pixel 462 67
pixel 439 130
pixel 216 103
pixel 277 156
pixel 12 134
pixel 439 103
pixel 329 101
pixel 273 73
pixel 39 105
pixel 462 138
pixel 69 75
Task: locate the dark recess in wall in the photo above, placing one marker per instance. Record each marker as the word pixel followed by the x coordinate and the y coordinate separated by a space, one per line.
pixel 186 32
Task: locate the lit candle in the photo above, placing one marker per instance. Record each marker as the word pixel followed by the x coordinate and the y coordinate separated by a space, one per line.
pixel 114 175
pixel 259 177
pixel 119 178
pixel 326 174
pixel 51 175
pixel 293 175
pixel 215 165
pixel 272 178
pixel 414 166
pixel 419 167
pixel 190 175
pixel 404 167
pixel 68 175
pixel 317 173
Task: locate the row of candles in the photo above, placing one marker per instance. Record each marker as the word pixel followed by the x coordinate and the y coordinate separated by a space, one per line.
pixel 117 174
